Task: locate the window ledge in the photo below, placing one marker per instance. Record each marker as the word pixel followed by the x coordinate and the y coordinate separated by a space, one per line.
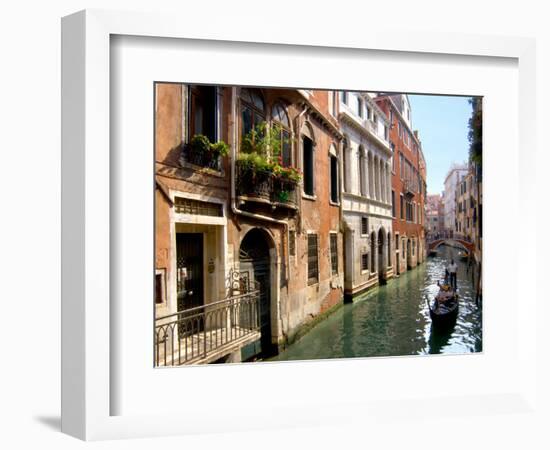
pixel 333 203
pixel 309 197
pixel 204 170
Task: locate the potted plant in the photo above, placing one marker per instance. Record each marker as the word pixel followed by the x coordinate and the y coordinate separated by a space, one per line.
pixel 202 152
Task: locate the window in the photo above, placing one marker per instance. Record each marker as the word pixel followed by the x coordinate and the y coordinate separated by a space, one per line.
pixel 196 207
pixel 307 148
pixel 386 132
pixel 312 260
pixel 369 112
pixel 344 97
pixel 160 296
pixel 333 179
pixel 401 203
pixel 252 110
pixel 364 261
pixel 281 121
pixel 359 107
pixel 364 225
pixel 361 164
pixel 202 111
pixel 292 243
pixel 393 203
pixel 392 145
pixel 333 107
pixel 334 253
pixel 401 166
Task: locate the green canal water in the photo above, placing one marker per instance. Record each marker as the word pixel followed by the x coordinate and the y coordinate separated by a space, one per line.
pixel 394 319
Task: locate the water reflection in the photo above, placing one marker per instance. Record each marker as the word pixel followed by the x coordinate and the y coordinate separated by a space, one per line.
pixel 394 319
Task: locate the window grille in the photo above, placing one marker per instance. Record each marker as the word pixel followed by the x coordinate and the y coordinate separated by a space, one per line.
pixel 197 207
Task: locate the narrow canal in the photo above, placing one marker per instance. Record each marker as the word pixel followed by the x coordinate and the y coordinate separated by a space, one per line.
pixel 394 319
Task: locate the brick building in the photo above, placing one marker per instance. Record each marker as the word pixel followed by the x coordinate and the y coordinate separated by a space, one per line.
pixel 228 225
pixel 408 184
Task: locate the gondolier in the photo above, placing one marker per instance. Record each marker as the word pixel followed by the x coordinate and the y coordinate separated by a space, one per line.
pixel 452 268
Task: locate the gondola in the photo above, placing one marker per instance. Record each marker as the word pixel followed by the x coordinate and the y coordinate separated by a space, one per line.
pixel 444 308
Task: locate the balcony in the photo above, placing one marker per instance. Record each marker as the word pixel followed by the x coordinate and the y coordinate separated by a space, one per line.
pixel 201 160
pixel 265 187
pixel 206 333
pixel 408 188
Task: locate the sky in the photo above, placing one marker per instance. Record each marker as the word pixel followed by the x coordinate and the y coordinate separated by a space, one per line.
pixel 442 124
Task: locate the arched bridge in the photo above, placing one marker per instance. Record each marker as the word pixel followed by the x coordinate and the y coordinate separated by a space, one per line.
pixel 466 245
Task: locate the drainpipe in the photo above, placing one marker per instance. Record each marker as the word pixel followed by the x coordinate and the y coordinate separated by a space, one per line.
pixel 234 207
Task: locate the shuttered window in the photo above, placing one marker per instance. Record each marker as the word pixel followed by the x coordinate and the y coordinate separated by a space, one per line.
pixel 312 259
pixel 333 179
pixel 334 253
pixel 364 225
pixel 365 261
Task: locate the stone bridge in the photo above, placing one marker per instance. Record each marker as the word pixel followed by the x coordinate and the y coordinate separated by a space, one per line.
pixel 466 245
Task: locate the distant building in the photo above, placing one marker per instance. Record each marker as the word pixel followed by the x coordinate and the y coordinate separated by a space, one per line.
pixel 453 178
pixel 434 215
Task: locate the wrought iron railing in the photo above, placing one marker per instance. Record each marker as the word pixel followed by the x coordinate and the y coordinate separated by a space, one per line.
pixel 206 160
pixel 265 185
pixel 409 188
pixel 194 334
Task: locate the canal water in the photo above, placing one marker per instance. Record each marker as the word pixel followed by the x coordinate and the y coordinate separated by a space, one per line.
pixel 394 319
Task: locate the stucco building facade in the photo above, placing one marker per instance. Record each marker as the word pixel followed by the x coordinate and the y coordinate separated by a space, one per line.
pixel 366 193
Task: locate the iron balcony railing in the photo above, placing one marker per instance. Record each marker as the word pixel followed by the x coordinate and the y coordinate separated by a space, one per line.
pixel 206 160
pixel 266 186
pixel 197 333
pixel 409 189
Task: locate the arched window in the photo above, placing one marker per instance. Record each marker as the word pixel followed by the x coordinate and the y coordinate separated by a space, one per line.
pixel 280 119
pixel 361 162
pixel 252 110
pixel 308 159
pixel 359 106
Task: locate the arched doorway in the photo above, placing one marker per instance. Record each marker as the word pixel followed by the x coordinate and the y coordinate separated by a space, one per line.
pixel 254 258
pixel 389 250
pixel 381 255
pixel 373 267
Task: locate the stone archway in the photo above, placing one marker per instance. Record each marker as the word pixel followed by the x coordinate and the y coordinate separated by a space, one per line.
pixel 255 258
pixel 381 255
pixel 409 254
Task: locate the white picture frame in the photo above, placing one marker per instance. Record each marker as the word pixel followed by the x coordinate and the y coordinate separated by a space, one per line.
pixel 88 322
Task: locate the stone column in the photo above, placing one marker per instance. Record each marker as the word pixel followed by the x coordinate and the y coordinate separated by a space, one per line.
pixel 366 174
pixel 382 182
pixel 379 178
pixel 347 168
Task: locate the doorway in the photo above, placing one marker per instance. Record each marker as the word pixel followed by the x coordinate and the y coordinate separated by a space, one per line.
pixel 254 258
